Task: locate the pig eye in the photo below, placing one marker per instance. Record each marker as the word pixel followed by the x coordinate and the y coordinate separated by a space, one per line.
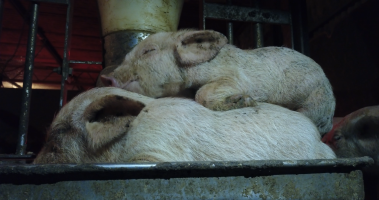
pixel 147 51
pixel 337 137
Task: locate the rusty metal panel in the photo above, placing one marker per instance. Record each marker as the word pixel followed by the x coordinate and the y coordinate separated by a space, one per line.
pixel 264 179
pixel 302 186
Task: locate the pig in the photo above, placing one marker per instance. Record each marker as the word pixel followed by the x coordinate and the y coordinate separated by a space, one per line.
pixel 357 135
pixel 106 71
pixel 113 125
pixel 226 77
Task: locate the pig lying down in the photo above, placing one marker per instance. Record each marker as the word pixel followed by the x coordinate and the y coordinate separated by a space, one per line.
pixel 167 63
pixel 114 125
pixel 356 135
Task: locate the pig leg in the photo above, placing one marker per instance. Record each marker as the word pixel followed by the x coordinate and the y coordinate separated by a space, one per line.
pixel 319 107
pixel 222 95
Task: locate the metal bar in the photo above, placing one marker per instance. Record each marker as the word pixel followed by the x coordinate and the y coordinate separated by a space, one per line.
pixel 201 15
pixel 27 84
pixel 237 13
pixel 66 54
pixel 65 172
pixel 258 29
pixel 41 36
pixel 44 82
pixel 299 26
pixel 46 68
pixel 12 156
pixel 52 1
pixel 15 84
pixel 85 62
pixel 230 28
pixel 44 79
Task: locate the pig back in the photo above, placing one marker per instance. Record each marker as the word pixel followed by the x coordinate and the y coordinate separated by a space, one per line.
pixel 181 130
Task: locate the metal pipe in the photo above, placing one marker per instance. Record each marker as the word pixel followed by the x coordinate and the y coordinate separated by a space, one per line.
pixel 237 13
pixel 41 36
pixel 15 81
pixel 183 169
pixel 118 44
pixel 52 1
pixel 85 62
pixel 299 26
pixel 258 30
pixel 27 85
pixel 230 27
pixel 202 14
pixel 66 54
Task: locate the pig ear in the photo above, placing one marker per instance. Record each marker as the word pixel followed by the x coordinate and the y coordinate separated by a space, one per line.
pixel 109 118
pixel 196 47
pixel 367 133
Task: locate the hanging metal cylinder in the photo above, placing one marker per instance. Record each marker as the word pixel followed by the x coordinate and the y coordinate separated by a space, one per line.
pixel 125 23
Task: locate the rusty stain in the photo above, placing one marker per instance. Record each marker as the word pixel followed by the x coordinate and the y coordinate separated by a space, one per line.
pixel 302 186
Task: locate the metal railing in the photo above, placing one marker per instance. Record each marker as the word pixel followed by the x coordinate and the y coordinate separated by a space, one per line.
pixel 296 18
pixel 63 70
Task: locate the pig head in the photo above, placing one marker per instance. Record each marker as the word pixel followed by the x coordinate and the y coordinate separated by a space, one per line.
pixel 225 77
pixel 113 125
pixel 356 135
pixel 88 128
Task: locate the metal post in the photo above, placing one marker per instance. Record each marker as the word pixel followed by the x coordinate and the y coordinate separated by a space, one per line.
pixel 41 36
pixel 27 87
pixel 230 27
pixel 202 14
pixel 66 54
pixel 299 26
pixel 258 30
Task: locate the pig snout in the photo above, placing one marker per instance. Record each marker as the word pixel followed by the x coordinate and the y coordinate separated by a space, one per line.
pixel 109 81
pixel 329 139
pixel 132 85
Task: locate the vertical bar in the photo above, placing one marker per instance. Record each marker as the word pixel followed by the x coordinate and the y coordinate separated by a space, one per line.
pixel 258 30
pixel 28 75
pixel 201 14
pixel 40 33
pixel 300 26
pixel 66 54
pixel 230 27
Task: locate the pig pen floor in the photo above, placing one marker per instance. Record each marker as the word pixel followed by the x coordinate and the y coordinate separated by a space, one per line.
pixel 302 179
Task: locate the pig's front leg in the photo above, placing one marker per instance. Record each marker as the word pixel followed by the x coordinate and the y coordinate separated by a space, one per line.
pixel 222 95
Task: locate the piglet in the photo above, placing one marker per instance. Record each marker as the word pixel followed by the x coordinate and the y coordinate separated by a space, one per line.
pixel 114 125
pixel 357 135
pixel 226 77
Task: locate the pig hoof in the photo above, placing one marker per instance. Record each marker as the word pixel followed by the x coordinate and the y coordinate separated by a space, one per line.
pixel 237 101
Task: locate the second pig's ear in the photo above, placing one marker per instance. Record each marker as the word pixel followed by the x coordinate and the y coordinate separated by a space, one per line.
pixel 196 47
pixel 109 118
pixel 366 131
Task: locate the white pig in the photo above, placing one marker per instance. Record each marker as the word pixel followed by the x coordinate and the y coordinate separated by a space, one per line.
pixel 114 125
pixel 225 77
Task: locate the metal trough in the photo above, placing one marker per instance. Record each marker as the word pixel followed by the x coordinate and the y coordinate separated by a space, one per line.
pixel 305 179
